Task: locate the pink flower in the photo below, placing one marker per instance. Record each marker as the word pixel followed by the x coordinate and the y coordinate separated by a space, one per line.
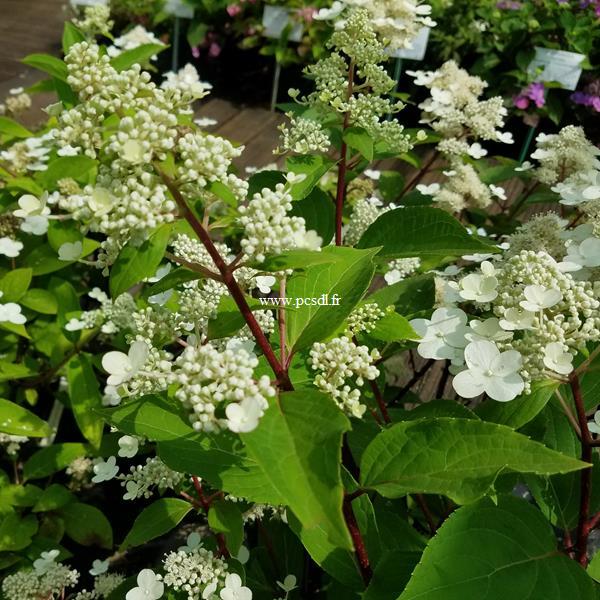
pixel 214 50
pixel 233 10
pixel 521 101
pixel 307 13
pixel 195 52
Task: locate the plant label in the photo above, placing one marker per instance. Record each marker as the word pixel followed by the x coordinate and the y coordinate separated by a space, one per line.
pixel 559 65
pixel 417 49
pixel 179 9
pixel 89 2
pixel 276 19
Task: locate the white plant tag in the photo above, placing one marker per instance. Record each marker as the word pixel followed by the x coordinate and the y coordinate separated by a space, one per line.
pixel 559 65
pixel 179 9
pixel 417 49
pixel 89 2
pixel 276 19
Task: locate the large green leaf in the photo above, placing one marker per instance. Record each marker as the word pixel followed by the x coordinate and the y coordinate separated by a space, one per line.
pixel 52 459
pixel 14 284
pixel 85 397
pixel 421 231
pixel 521 410
pixel 11 128
pixel 139 55
pixel 298 447
pixel 348 277
pixel 48 64
pixel 134 263
pixel 313 166
pixel 16 420
pixel 156 520
pixel 226 517
pixel 220 459
pixel 16 533
pixel 67 166
pixel 459 458
pixel 87 525
pixel 488 551
pixel 318 212
pixel 410 296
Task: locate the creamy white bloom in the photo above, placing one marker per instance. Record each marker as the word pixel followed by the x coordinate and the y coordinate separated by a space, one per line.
pixel 288 584
pixel 585 254
pixel 234 590
pixel 517 319
pixel 489 329
pixel 30 206
pixel 105 470
pixel 557 359
pixel 149 587
pixel 128 446
pixel 99 567
pixel 122 367
pixel 326 14
pixel 264 283
pixel 428 190
pixel 46 561
pixel 498 191
pixel 193 541
pixel 36 225
pixel 489 371
pixel 244 416
pixel 442 336
pixel 477 151
pixel 11 313
pixel 10 247
pixel 70 251
pixel 538 297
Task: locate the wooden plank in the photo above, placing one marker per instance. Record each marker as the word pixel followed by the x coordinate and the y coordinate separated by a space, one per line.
pixel 220 110
pixel 247 124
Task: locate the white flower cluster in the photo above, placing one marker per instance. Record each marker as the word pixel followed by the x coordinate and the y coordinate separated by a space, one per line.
pixel 12 443
pixel 48 579
pixel 198 573
pixel 397 21
pixel 29 155
pixel 104 585
pixel 211 380
pixel 532 317
pixel 268 229
pixel 95 21
pixel 364 318
pixel 401 268
pixel 342 368
pixel 142 479
pixel 364 213
pixel 135 37
pixel 303 136
pixel 187 80
pixel 16 102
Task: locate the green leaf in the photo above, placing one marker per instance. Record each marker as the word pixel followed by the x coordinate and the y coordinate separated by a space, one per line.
pixel 348 278
pixel 318 212
pixel 16 533
pixel 156 520
pixel 391 575
pixel 140 56
pixel 18 495
pixel 314 167
pixel 485 549
pixel 87 525
pixel 294 259
pixel 134 263
pixel 298 447
pixel 53 497
pixel 12 129
pixel 39 300
pixel 226 518
pixel 219 459
pixel 71 35
pixel 593 569
pixel 221 191
pixel 409 297
pixel 423 232
pixel 48 64
pixel 459 458
pixel 393 328
pixel 173 279
pixel 229 320
pixel 358 139
pixel 62 167
pixel 14 284
pixel 52 459
pixel 85 397
pixel 521 410
pixel 16 420
pixel 264 179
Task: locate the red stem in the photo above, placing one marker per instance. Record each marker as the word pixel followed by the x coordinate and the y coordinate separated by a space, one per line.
pixel 359 544
pixel 420 499
pixel 583 528
pixel 419 174
pixel 230 282
pixel 380 402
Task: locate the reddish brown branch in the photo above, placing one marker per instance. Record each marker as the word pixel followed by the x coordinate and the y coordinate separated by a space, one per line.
pixel 230 282
pixel 583 528
pixel 419 174
pixel 359 545
pixel 380 401
pixel 420 500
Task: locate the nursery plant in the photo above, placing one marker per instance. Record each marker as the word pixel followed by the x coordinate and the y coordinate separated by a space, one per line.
pixel 219 387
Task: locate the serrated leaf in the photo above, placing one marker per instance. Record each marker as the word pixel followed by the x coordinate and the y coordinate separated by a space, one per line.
pixel 16 420
pixel 173 279
pixel 314 167
pixel 156 520
pixel 358 139
pixel 348 278
pixel 393 328
pixel 486 549
pixel 459 458
pixel 421 232
pixel 85 398
pixel 298 447
pixel 294 259
pixel 135 263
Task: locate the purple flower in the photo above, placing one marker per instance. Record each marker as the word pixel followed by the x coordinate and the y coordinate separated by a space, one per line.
pixel 585 99
pixel 533 92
